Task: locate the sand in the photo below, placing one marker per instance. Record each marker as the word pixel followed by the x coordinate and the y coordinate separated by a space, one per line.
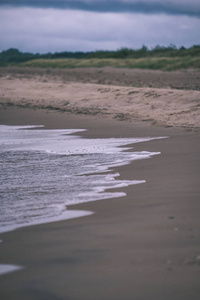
pixel 157 106
pixel 182 79
pixel 142 246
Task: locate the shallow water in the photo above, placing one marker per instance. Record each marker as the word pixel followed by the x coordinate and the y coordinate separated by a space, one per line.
pixel 43 171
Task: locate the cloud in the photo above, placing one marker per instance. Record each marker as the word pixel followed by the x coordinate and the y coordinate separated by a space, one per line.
pixel 170 7
pixel 55 30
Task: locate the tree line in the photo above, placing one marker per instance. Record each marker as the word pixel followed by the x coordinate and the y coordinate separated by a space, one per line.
pixel 13 56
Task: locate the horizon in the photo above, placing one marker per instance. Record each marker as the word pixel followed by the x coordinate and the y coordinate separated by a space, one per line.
pixel 159 47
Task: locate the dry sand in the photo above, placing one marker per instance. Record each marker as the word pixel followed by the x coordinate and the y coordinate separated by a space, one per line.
pixel 184 80
pixel 143 246
pixel 157 106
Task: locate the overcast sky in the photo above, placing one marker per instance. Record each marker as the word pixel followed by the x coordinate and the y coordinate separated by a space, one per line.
pixel 88 25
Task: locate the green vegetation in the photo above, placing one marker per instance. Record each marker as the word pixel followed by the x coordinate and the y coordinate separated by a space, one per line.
pixel 156 63
pixel 163 58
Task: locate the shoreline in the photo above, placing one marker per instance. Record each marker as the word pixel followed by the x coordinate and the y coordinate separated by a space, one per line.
pixel 142 246
pixel 70 213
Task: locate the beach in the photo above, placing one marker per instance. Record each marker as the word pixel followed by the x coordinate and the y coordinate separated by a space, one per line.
pixel 142 246
pixel 163 106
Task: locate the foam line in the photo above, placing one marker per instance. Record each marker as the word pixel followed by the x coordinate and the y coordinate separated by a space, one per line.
pixel 4 269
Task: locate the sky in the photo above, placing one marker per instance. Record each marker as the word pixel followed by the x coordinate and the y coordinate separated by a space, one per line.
pixel 89 25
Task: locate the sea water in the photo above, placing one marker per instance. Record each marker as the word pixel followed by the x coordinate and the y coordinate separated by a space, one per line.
pixel 43 172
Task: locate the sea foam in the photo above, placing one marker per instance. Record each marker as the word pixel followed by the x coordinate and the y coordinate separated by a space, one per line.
pixel 45 171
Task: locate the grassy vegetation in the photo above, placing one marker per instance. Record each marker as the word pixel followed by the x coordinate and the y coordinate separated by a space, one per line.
pixel 155 63
pixel 162 58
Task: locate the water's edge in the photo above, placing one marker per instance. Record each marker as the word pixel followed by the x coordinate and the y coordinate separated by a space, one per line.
pixel 54 144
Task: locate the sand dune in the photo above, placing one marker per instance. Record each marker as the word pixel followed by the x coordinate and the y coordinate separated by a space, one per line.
pixel 157 106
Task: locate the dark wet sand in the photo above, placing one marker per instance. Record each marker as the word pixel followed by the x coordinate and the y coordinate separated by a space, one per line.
pixel 139 247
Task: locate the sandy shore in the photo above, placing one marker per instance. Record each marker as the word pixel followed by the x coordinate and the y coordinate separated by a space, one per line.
pixel 143 246
pixel 157 106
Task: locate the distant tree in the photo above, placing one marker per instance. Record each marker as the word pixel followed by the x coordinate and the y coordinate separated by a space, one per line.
pixel 13 56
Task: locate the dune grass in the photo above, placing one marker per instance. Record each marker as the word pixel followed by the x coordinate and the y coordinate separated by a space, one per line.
pixel 155 63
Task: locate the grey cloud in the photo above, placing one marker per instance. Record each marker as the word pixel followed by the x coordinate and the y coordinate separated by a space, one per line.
pixel 41 30
pixel 176 7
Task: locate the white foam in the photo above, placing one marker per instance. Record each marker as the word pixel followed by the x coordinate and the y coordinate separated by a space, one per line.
pixel 22 138
pixel 61 141
pixel 15 127
pixel 4 269
pixel 67 215
pixel 43 197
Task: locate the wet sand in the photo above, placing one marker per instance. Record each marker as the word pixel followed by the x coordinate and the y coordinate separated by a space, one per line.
pixel 142 246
